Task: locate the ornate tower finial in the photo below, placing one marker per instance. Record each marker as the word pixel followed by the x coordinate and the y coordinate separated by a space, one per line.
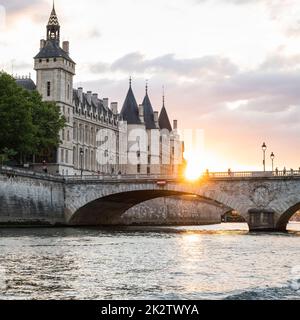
pixel 130 82
pixel 163 88
pixel 146 87
pixel 53 27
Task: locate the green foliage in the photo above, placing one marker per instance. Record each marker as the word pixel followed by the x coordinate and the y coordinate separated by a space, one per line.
pixel 27 124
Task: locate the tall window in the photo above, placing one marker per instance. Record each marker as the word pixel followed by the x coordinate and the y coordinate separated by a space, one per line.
pixel 62 155
pixel 138 168
pixel 75 131
pixel 67 156
pixel 48 89
pixel 68 93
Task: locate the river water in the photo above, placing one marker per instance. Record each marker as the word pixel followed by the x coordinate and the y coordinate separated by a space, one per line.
pixel 211 262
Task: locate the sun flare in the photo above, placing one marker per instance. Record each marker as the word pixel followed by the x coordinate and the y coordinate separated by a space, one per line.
pixel 199 162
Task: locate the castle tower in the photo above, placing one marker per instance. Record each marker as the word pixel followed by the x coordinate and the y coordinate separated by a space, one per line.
pixel 55 71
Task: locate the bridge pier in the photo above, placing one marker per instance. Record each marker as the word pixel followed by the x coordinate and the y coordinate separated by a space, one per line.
pixel 262 220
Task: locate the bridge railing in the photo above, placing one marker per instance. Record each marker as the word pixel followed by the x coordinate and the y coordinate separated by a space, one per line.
pixel 252 174
pixel 12 171
pixel 207 175
pixel 119 177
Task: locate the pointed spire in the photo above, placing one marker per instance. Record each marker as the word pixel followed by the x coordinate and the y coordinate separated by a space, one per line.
pixel 148 111
pixel 146 87
pixel 53 20
pixel 53 27
pixel 130 110
pixel 163 120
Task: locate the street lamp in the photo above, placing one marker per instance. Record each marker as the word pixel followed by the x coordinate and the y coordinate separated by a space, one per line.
pixel 272 158
pixel 81 160
pixel 264 148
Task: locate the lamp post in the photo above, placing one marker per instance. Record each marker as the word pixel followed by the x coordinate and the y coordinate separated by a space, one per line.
pixel 81 161
pixel 272 158
pixel 264 148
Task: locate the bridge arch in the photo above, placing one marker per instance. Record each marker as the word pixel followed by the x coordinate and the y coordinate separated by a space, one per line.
pixel 103 210
pixel 286 217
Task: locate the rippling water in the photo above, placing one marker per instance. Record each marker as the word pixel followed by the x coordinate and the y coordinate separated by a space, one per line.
pixel 214 262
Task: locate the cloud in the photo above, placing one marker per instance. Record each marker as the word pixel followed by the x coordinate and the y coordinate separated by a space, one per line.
pixel 136 62
pixel 14 6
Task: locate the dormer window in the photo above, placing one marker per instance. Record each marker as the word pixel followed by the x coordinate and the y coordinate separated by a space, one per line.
pixel 47 60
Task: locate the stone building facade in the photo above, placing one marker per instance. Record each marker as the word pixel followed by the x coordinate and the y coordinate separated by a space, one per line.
pixel 97 138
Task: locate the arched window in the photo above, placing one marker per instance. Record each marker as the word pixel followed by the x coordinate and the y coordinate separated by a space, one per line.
pixel 67 156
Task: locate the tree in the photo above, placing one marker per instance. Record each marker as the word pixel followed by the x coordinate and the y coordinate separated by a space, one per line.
pixel 28 125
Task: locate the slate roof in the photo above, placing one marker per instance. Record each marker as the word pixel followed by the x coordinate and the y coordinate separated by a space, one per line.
pixel 94 106
pixel 53 50
pixel 130 110
pixel 164 121
pixel 53 20
pixel 148 113
pixel 27 84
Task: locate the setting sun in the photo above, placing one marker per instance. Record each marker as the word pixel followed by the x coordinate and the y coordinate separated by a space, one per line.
pixel 198 162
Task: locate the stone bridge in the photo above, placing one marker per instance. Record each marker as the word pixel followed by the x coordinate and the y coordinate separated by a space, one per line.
pixel 265 201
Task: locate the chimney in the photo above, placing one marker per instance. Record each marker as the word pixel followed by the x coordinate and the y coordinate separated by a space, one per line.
pixel 80 91
pixel 114 107
pixel 66 46
pixel 156 117
pixel 42 44
pixel 105 103
pixel 175 124
pixel 141 113
pixel 89 97
pixel 95 95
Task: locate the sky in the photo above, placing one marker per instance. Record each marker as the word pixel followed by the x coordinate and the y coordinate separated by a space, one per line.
pixel 229 67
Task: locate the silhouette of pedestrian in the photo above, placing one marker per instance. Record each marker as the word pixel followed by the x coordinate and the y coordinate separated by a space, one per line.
pixel 284 171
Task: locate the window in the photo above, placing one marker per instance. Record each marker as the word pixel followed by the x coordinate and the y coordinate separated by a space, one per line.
pixel 63 134
pixel 40 61
pixel 67 156
pixel 138 154
pixel 62 155
pixel 138 168
pixel 148 170
pixel 74 156
pixel 68 94
pixel 149 159
pixel 48 89
pixel 74 131
pixel 54 59
pixel 68 135
pixel 47 60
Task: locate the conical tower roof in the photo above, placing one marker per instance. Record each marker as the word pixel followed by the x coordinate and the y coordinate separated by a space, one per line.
pixel 148 112
pixel 130 110
pixel 163 120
